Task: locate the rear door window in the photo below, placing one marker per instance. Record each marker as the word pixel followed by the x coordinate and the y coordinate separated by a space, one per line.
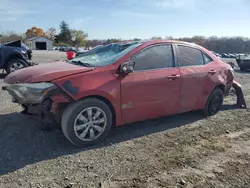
pixel 189 56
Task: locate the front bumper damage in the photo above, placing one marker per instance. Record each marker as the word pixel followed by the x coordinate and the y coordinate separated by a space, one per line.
pixel 48 111
pixel 43 111
pixel 241 102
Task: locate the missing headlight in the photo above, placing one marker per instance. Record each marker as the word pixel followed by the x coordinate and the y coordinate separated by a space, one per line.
pixel 30 93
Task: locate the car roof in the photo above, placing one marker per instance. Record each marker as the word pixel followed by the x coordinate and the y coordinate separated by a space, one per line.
pixel 170 41
pixel 157 41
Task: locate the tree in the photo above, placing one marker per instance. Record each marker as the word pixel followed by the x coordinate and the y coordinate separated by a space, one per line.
pixel 109 41
pixel 10 36
pixel 78 37
pixel 51 33
pixel 34 32
pixel 218 44
pixel 169 38
pixel 64 35
pixel 156 38
pixel 136 39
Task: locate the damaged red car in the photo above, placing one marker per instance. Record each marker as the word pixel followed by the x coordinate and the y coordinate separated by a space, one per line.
pixel 122 83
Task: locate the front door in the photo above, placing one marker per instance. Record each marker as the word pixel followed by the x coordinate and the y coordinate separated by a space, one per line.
pixel 153 89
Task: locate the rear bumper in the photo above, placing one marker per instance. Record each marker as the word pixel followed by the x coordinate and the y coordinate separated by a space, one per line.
pixel 241 102
pixel 228 88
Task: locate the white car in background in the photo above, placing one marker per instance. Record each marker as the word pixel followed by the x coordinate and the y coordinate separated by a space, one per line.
pixel 218 55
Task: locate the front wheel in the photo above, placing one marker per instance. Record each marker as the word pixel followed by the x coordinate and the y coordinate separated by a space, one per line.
pixel 15 64
pixel 86 122
pixel 214 102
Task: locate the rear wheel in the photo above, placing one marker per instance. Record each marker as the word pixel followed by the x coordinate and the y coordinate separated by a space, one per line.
pixel 214 102
pixel 86 122
pixel 15 64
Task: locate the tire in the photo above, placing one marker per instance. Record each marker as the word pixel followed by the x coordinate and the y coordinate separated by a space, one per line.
pixel 77 113
pixel 214 102
pixel 15 64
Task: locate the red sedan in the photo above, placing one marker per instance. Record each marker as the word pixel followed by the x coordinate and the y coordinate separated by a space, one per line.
pixel 122 83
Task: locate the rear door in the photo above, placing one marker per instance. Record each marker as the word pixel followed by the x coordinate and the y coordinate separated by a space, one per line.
pixel 152 90
pixel 198 77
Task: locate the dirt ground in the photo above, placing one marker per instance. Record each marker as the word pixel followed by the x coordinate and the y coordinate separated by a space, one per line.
pixel 184 150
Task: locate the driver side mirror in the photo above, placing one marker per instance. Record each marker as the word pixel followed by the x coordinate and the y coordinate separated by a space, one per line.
pixel 127 67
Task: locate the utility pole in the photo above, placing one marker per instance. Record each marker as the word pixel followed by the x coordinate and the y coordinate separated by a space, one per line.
pixel 1 31
pixel 1 28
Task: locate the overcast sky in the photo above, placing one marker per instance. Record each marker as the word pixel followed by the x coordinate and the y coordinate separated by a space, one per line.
pixel 130 18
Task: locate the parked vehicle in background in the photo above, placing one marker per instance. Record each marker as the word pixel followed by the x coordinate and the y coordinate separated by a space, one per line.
pixel 218 55
pixel 225 55
pixel 19 43
pixel 15 55
pixel 243 62
pixel 84 52
pixel 72 49
pixel 80 53
pixel 63 49
pixel 232 56
pixel 122 83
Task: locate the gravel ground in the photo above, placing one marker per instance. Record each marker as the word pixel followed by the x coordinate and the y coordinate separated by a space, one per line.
pixel 184 150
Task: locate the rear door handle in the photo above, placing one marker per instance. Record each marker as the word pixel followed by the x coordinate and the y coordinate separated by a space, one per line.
pixel 173 77
pixel 212 72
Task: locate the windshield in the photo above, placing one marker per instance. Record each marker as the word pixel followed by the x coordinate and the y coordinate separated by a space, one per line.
pixel 105 55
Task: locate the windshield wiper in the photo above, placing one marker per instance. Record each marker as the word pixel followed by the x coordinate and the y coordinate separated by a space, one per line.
pixel 81 63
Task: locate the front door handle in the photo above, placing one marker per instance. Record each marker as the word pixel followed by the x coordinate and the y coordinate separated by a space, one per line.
pixel 212 72
pixel 173 77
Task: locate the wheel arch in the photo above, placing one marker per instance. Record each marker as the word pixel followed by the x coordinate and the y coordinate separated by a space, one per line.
pixel 12 57
pixel 221 86
pixel 107 102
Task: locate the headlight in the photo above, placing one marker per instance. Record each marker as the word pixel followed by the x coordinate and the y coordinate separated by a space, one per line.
pixel 30 93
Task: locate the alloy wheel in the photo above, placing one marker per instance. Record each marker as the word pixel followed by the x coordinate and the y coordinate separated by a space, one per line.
pixel 90 123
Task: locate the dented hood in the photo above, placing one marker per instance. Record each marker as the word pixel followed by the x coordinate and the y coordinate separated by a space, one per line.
pixel 45 72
